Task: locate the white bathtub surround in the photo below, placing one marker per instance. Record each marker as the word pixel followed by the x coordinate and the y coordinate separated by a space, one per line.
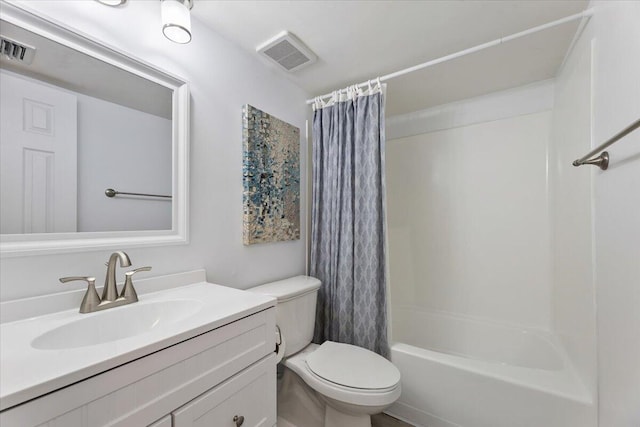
pixel 482 258
pixel 468 220
pixel 499 343
pixel 571 192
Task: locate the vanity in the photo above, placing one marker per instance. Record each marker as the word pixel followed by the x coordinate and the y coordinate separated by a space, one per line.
pixel 188 353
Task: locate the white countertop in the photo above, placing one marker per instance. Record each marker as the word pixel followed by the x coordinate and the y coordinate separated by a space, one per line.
pixel 27 372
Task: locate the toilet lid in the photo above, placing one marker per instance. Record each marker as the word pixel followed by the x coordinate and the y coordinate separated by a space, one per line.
pixel 352 366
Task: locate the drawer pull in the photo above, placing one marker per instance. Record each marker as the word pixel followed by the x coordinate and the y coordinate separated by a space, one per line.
pixel 239 420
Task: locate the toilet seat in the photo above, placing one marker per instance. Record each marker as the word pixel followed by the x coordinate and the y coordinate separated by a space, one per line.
pixel 339 392
pixel 353 367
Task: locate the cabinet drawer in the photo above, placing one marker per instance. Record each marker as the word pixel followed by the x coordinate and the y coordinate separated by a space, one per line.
pixel 250 394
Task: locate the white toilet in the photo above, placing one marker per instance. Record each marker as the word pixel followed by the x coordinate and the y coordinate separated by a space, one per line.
pixel 353 382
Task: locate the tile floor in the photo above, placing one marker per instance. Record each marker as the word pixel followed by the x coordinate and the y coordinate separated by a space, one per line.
pixel 384 420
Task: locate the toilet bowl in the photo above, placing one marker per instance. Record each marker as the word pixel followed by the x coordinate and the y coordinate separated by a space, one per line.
pixel 353 382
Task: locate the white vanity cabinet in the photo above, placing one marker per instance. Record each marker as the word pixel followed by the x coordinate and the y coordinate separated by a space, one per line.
pixel 204 380
pixel 240 401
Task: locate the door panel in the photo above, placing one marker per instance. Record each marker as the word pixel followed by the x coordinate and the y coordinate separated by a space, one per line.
pixel 38 157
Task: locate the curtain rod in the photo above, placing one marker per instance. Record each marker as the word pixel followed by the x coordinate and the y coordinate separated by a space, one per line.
pixel 584 15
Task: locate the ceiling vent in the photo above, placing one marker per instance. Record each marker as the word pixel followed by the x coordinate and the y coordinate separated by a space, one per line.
pixel 16 51
pixel 287 51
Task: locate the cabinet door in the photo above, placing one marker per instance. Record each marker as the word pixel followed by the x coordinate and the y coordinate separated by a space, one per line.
pixel 247 399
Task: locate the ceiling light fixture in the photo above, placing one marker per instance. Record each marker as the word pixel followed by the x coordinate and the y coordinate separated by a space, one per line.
pixel 113 3
pixel 176 20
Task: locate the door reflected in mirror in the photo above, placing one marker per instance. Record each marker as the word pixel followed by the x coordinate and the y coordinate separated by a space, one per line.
pixel 73 126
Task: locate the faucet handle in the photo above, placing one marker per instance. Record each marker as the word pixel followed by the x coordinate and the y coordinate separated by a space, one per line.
pixel 128 291
pixel 91 298
pixel 137 270
pixel 87 279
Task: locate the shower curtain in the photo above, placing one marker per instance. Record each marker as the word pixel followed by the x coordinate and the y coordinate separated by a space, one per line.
pixel 348 236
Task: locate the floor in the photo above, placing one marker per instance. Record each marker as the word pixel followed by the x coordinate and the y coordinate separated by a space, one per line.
pixel 379 420
pixel 384 420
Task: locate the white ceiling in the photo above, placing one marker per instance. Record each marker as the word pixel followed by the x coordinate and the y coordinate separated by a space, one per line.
pixel 359 40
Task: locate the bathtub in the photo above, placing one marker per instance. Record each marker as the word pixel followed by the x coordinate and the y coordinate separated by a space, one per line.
pixel 469 372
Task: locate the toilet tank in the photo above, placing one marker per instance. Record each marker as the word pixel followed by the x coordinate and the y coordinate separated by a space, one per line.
pixel 296 309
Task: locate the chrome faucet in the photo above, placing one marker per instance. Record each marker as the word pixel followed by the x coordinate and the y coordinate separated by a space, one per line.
pixel 110 291
pixel 92 302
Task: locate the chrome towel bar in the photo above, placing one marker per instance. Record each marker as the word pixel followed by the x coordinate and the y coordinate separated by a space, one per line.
pixel 602 161
pixel 110 192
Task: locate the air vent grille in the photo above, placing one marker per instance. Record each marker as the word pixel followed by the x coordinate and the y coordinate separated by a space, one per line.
pixel 287 51
pixel 16 51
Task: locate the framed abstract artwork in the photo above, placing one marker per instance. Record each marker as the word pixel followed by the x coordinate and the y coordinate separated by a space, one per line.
pixel 271 178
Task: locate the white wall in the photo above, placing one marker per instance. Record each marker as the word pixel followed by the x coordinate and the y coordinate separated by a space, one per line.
pixel 222 78
pixel 573 296
pixel 616 91
pixel 128 150
pixel 468 213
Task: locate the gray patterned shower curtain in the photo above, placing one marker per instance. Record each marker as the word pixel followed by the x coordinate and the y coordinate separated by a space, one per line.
pixel 348 238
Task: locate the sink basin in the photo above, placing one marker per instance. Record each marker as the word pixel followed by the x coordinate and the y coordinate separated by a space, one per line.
pixel 116 324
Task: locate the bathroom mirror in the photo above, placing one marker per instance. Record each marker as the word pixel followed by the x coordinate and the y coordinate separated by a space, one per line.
pixel 81 126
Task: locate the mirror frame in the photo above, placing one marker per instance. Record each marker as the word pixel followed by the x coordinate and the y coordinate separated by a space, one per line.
pixel 47 243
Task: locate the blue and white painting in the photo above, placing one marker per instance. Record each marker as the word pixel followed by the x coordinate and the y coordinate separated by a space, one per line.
pixel 271 170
